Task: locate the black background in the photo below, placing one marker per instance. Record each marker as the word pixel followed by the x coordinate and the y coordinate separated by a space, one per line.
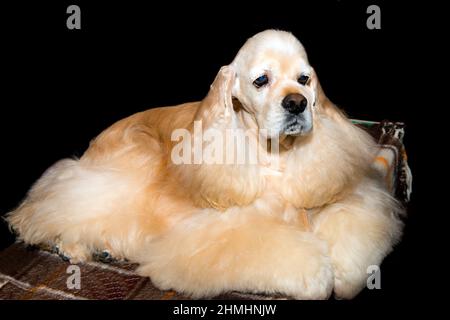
pixel 63 87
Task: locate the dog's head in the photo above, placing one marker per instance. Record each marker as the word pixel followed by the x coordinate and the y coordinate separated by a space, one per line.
pixel 275 83
pixel 275 89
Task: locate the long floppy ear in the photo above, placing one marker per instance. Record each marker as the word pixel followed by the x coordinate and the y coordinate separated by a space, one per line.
pixel 219 99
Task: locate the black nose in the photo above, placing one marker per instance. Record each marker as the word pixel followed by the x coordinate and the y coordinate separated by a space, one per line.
pixel 294 103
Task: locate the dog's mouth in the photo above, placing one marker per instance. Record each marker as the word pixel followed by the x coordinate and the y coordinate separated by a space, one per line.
pixel 296 126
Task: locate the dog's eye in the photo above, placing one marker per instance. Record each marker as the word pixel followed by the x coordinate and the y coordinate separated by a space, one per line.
pixel 303 79
pixel 261 81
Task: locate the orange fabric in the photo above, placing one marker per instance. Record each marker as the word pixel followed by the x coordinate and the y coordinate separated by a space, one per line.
pixel 404 155
pixel 389 168
pixel 168 295
pixel 383 161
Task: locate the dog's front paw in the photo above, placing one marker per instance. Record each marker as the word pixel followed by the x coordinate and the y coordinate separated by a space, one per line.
pixel 296 265
pixel 75 253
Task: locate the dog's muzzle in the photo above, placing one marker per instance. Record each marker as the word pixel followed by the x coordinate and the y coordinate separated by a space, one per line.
pixel 298 118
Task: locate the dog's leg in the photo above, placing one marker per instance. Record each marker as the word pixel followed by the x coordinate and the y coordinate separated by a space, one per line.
pixel 360 231
pixel 216 252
